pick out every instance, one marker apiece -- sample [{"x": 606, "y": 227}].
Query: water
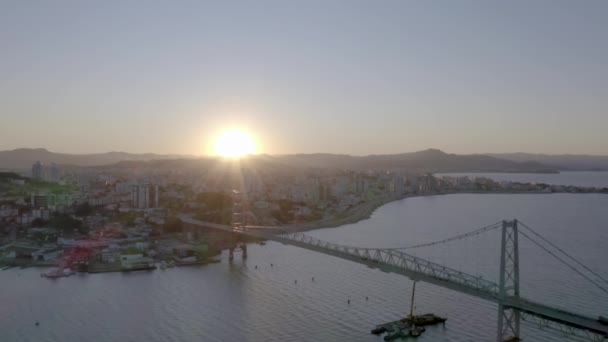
[{"x": 223, "y": 302}]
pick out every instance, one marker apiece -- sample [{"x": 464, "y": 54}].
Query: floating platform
[
  {"x": 404, "y": 333},
  {"x": 406, "y": 324}
]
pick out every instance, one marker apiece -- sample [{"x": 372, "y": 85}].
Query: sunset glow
[{"x": 234, "y": 143}]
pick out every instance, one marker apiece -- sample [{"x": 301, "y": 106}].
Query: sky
[{"x": 354, "y": 77}]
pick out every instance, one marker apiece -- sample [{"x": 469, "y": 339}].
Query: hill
[
  {"x": 565, "y": 162},
  {"x": 422, "y": 161},
  {"x": 430, "y": 160},
  {"x": 23, "y": 158}
]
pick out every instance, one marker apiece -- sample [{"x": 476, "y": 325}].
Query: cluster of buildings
[
  {"x": 124, "y": 193},
  {"x": 126, "y": 219},
  {"x": 49, "y": 172}
]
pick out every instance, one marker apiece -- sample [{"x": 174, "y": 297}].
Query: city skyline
[{"x": 347, "y": 78}]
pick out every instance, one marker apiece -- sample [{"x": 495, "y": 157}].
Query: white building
[{"x": 144, "y": 196}]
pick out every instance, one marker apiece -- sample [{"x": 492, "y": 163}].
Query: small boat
[
  {"x": 56, "y": 273},
  {"x": 163, "y": 265},
  {"x": 397, "y": 333},
  {"x": 416, "y": 331}
]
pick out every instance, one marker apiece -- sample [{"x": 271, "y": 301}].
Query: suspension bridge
[{"x": 512, "y": 308}]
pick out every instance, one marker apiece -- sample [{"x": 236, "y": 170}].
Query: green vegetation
[
  {"x": 224, "y": 217},
  {"x": 31, "y": 186},
  {"x": 82, "y": 210},
  {"x": 8, "y": 176},
  {"x": 130, "y": 251},
  {"x": 127, "y": 218},
  {"x": 172, "y": 225},
  {"x": 214, "y": 201},
  {"x": 67, "y": 224},
  {"x": 216, "y": 207},
  {"x": 285, "y": 213},
  {"x": 43, "y": 186}
]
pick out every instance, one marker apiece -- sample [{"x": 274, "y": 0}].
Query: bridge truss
[{"x": 512, "y": 309}]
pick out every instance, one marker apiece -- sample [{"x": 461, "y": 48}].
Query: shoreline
[{"x": 364, "y": 211}]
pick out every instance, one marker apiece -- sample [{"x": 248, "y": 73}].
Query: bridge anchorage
[{"x": 512, "y": 308}]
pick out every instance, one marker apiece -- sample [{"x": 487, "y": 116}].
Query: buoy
[
  {"x": 349, "y": 301},
  {"x": 256, "y": 267},
  {"x": 37, "y": 323},
  {"x": 313, "y": 278},
  {"x": 270, "y": 265},
  {"x": 295, "y": 281},
  {"x": 366, "y": 298}
]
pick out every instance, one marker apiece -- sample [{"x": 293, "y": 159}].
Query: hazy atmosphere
[
  {"x": 365, "y": 77},
  {"x": 320, "y": 170}
]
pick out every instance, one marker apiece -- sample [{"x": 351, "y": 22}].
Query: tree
[
  {"x": 67, "y": 224},
  {"x": 214, "y": 201},
  {"x": 128, "y": 218},
  {"x": 172, "y": 225},
  {"x": 38, "y": 222},
  {"x": 83, "y": 209}
]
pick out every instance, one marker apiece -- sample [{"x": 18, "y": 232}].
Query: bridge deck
[{"x": 420, "y": 270}]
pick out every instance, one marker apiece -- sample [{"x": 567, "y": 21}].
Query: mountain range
[
  {"x": 431, "y": 160},
  {"x": 564, "y": 162},
  {"x": 23, "y": 158}
]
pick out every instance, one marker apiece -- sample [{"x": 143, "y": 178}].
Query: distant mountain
[
  {"x": 23, "y": 158},
  {"x": 565, "y": 162},
  {"x": 430, "y": 160}
]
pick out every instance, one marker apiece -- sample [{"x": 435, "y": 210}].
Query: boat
[
  {"x": 397, "y": 333},
  {"x": 603, "y": 320},
  {"x": 416, "y": 331},
  {"x": 56, "y": 273},
  {"x": 163, "y": 265}
]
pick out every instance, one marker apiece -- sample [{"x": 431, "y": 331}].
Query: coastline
[{"x": 365, "y": 210}]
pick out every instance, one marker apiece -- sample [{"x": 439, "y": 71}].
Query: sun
[{"x": 234, "y": 143}]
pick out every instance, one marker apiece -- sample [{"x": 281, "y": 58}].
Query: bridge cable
[
  {"x": 457, "y": 237},
  {"x": 564, "y": 252},
  {"x": 564, "y": 262}
]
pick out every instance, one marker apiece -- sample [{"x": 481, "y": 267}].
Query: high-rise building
[
  {"x": 54, "y": 173},
  {"x": 37, "y": 170},
  {"x": 144, "y": 196}
]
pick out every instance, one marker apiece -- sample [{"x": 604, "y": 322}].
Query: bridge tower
[
  {"x": 238, "y": 223},
  {"x": 508, "y": 317}
]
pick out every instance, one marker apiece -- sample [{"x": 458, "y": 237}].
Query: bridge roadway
[{"x": 393, "y": 261}]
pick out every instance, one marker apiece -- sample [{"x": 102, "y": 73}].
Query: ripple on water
[{"x": 237, "y": 302}]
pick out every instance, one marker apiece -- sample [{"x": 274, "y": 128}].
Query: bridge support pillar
[
  {"x": 508, "y": 318},
  {"x": 231, "y": 254},
  {"x": 244, "y": 249}
]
